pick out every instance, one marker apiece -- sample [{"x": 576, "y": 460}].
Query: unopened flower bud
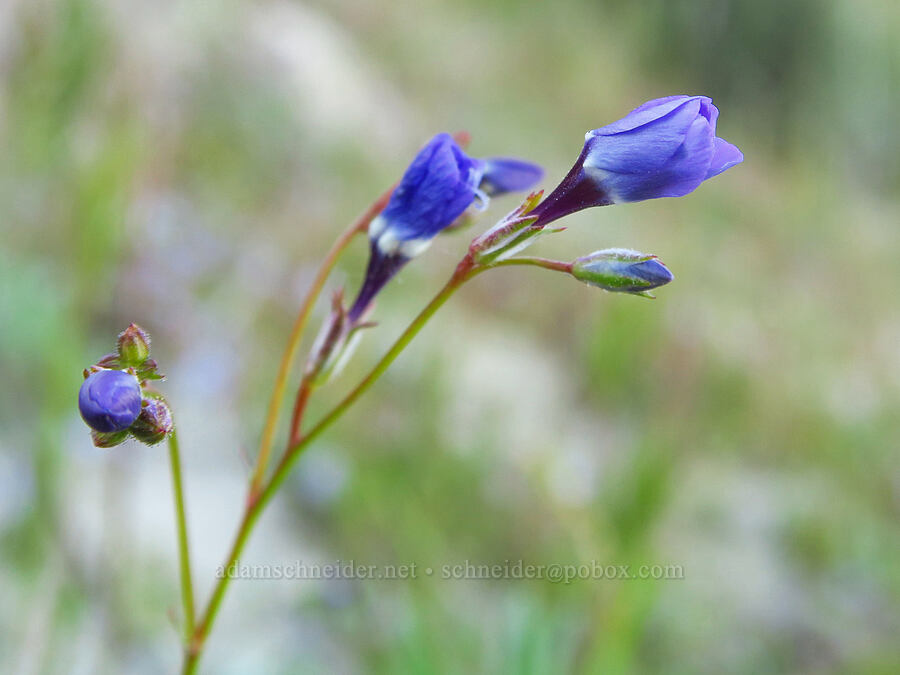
[
  {"x": 621, "y": 270},
  {"x": 133, "y": 346},
  {"x": 154, "y": 422},
  {"x": 109, "y": 400},
  {"x": 331, "y": 337},
  {"x": 108, "y": 440}
]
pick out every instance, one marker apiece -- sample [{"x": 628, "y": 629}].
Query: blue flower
[
  {"x": 440, "y": 184},
  {"x": 110, "y": 400},
  {"x": 663, "y": 148}
]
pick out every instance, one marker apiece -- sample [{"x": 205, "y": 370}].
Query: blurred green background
[{"x": 185, "y": 165}]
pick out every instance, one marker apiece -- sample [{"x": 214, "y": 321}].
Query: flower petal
[
  {"x": 709, "y": 111},
  {"x": 643, "y": 114},
  {"x": 109, "y": 400},
  {"x": 725, "y": 156},
  {"x": 505, "y": 174},
  {"x": 645, "y": 149},
  {"x": 438, "y": 186},
  {"x": 681, "y": 174}
]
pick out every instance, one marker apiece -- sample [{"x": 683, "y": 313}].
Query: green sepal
[{"x": 109, "y": 439}]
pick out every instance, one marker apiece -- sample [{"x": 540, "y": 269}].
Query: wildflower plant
[{"x": 664, "y": 148}]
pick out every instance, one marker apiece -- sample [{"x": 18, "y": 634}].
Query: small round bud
[
  {"x": 154, "y": 422},
  {"x": 109, "y": 400},
  {"x": 621, "y": 270},
  {"x": 133, "y": 345}
]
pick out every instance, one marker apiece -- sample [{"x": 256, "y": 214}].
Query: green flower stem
[
  {"x": 555, "y": 265},
  {"x": 184, "y": 558},
  {"x": 201, "y": 631},
  {"x": 303, "y": 394},
  {"x": 290, "y": 352},
  {"x": 465, "y": 271}
]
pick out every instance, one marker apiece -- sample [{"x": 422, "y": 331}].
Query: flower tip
[
  {"x": 133, "y": 345},
  {"x": 725, "y": 156},
  {"x": 530, "y": 202},
  {"x": 462, "y": 138},
  {"x": 653, "y": 271}
]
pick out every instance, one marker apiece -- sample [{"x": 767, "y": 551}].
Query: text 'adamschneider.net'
[{"x": 508, "y": 570}]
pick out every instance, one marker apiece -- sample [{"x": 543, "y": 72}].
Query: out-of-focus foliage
[{"x": 184, "y": 165}]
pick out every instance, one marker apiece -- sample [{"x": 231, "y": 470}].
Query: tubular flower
[
  {"x": 440, "y": 184},
  {"x": 663, "y": 148}
]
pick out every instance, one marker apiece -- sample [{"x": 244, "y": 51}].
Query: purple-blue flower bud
[
  {"x": 440, "y": 184},
  {"x": 154, "y": 422},
  {"x": 110, "y": 400},
  {"x": 621, "y": 270},
  {"x": 663, "y": 148}
]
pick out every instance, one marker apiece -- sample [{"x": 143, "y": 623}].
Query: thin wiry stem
[
  {"x": 464, "y": 272},
  {"x": 546, "y": 263},
  {"x": 290, "y": 352},
  {"x": 184, "y": 558},
  {"x": 294, "y": 434}
]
